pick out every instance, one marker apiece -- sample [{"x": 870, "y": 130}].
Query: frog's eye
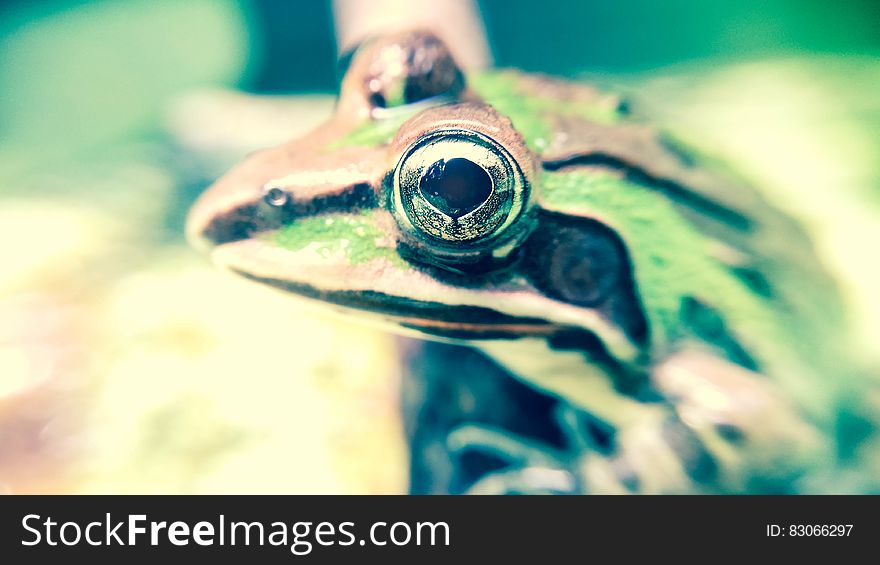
[
  {"x": 395, "y": 72},
  {"x": 458, "y": 192},
  {"x": 414, "y": 69}
]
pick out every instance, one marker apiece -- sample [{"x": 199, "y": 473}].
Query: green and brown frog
[{"x": 668, "y": 329}]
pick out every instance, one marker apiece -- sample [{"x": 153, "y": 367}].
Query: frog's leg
[
  {"x": 472, "y": 427},
  {"x": 530, "y": 467},
  {"x": 528, "y": 480},
  {"x": 587, "y": 464},
  {"x": 448, "y": 386}
]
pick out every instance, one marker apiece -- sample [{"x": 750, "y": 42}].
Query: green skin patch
[
  {"x": 355, "y": 234},
  {"x": 667, "y": 269},
  {"x": 372, "y": 133},
  {"x": 503, "y": 90},
  {"x": 679, "y": 265}
]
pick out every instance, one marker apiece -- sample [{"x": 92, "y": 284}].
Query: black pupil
[{"x": 455, "y": 187}]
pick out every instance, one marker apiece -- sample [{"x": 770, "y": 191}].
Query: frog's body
[{"x": 581, "y": 249}]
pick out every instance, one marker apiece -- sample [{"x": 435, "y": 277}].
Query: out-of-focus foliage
[
  {"x": 127, "y": 364},
  {"x": 90, "y": 75}
]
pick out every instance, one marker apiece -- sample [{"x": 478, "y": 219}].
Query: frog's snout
[
  {"x": 236, "y": 207},
  {"x": 220, "y": 217},
  {"x": 195, "y": 228},
  {"x": 206, "y": 230}
]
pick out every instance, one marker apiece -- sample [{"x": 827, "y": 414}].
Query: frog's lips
[
  {"x": 435, "y": 319},
  {"x": 385, "y": 292}
]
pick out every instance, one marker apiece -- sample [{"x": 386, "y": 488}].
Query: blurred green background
[{"x": 128, "y": 365}]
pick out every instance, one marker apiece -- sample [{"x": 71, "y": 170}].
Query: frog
[{"x": 673, "y": 330}]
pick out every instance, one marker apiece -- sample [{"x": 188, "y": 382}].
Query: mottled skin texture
[{"x": 681, "y": 328}]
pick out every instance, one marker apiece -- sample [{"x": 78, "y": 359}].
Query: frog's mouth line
[{"x": 433, "y": 318}]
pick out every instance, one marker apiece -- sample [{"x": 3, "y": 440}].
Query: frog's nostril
[
  {"x": 276, "y": 197},
  {"x": 455, "y": 187}
]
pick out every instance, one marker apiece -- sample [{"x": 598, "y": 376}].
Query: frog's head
[{"x": 420, "y": 203}]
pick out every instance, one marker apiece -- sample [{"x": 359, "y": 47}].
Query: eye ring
[{"x": 458, "y": 192}]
